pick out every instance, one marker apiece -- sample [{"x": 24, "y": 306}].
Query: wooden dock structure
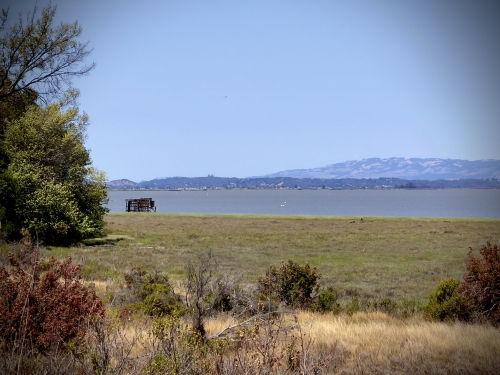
[{"x": 140, "y": 205}]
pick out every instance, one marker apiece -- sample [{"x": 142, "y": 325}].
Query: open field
[
  {"x": 365, "y": 260},
  {"x": 377, "y": 257}
]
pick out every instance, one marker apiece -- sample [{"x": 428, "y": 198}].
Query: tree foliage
[
  {"x": 8, "y": 194},
  {"x": 59, "y": 194},
  {"x": 14, "y": 107},
  {"x": 48, "y": 185},
  {"x": 36, "y": 55}
]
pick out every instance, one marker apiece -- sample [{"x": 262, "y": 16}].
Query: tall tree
[
  {"x": 36, "y": 55},
  {"x": 8, "y": 195},
  {"x": 59, "y": 194},
  {"x": 47, "y": 183}
]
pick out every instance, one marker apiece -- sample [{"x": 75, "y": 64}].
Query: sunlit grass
[
  {"x": 379, "y": 257},
  {"x": 400, "y": 258},
  {"x": 378, "y": 343}
]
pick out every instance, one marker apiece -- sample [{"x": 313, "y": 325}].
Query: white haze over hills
[{"x": 413, "y": 168}]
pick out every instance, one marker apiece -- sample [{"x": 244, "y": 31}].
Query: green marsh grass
[{"x": 373, "y": 258}]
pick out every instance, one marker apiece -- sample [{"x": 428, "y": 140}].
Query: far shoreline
[
  {"x": 305, "y": 217},
  {"x": 328, "y": 189}
]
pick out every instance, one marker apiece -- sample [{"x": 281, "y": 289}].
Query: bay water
[{"x": 446, "y": 203}]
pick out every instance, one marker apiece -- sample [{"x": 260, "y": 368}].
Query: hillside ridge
[
  {"x": 370, "y": 173},
  {"x": 399, "y": 167}
]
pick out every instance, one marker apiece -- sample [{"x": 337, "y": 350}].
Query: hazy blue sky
[{"x": 244, "y": 88}]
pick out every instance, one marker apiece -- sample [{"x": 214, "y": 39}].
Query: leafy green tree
[
  {"x": 59, "y": 194},
  {"x": 11, "y": 108},
  {"x": 14, "y": 106},
  {"x": 7, "y": 195},
  {"x": 47, "y": 183}
]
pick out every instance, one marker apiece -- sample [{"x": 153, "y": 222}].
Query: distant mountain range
[
  {"x": 370, "y": 173},
  {"x": 414, "y": 169}
]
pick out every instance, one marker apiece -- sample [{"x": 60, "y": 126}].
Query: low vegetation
[
  {"x": 400, "y": 259},
  {"x": 208, "y": 315},
  {"x": 481, "y": 285}
]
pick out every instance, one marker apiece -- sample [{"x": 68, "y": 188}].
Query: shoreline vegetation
[
  {"x": 230, "y": 189},
  {"x": 229, "y": 183},
  {"x": 382, "y": 271}
]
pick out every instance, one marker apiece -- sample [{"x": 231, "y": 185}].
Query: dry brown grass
[{"x": 377, "y": 343}]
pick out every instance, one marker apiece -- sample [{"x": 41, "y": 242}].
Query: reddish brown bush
[
  {"x": 481, "y": 285},
  {"x": 44, "y": 304}
]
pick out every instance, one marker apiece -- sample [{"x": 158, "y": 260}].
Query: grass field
[
  {"x": 376, "y": 343},
  {"x": 364, "y": 260},
  {"x": 374, "y": 258}
]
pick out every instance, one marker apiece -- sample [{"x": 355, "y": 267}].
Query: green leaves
[
  {"x": 291, "y": 283},
  {"x": 60, "y": 194},
  {"x": 477, "y": 298},
  {"x": 47, "y": 182},
  {"x": 445, "y": 302},
  {"x": 50, "y": 141}
]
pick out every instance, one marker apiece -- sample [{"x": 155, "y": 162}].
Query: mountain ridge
[
  {"x": 399, "y": 167},
  {"x": 366, "y": 173}
]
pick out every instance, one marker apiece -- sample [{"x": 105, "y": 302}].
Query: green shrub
[
  {"x": 157, "y": 297},
  {"x": 182, "y": 350},
  {"x": 353, "y": 306},
  {"x": 326, "y": 301},
  {"x": 386, "y": 305},
  {"x": 445, "y": 303},
  {"x": 291, "y": 283},
  {"x": 409, "y": 307},
  {"x": 162, "y": 301}
]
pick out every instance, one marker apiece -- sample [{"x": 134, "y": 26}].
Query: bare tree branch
[{"x": 40, "y": 56}]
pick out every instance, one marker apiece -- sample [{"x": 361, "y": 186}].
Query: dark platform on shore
[{"x": 140, "y": 205}]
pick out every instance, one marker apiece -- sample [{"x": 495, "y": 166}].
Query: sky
[{"x": 247, "y": 88}]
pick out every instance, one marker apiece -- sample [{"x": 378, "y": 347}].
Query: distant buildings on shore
[{"x": 223, "y": 183}]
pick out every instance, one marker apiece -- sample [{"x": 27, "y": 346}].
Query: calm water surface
[{"x": 467, "y": 203}]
